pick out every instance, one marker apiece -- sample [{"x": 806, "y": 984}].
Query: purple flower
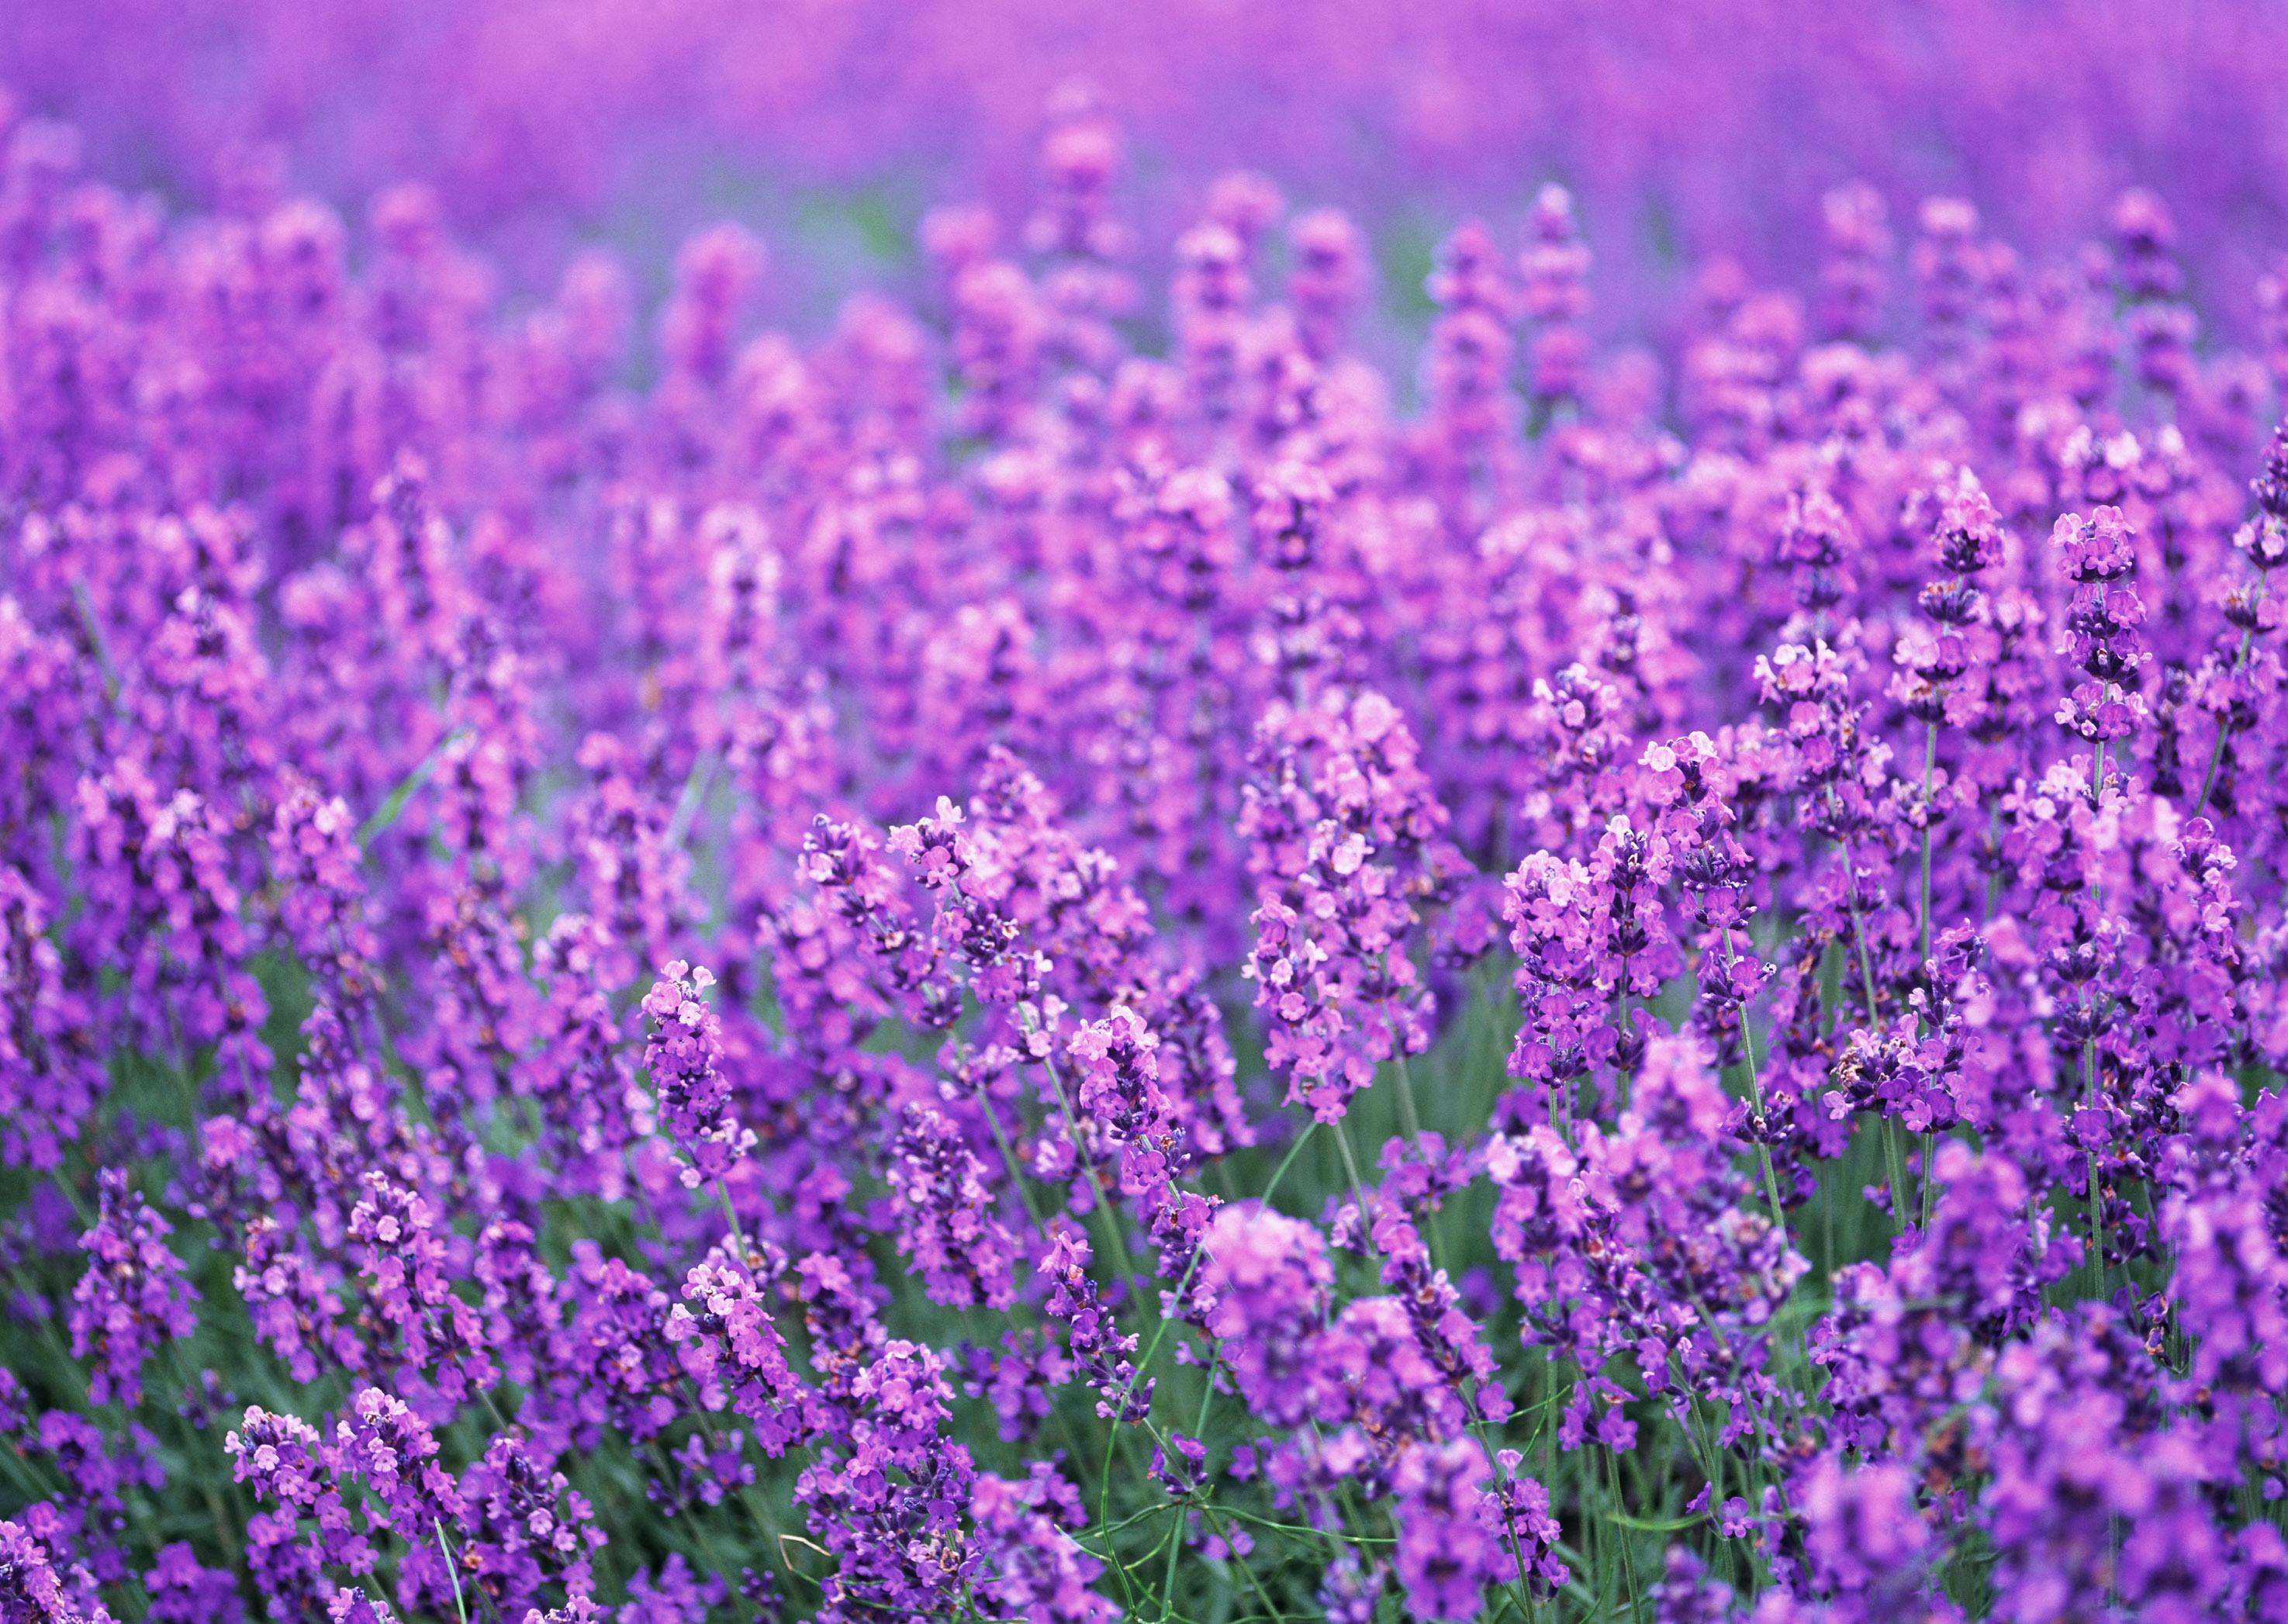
[
  {"x": 684, "y": 1058},
  {"x": 134, "y": 1296}
]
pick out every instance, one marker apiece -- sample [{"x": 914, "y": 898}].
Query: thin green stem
[
  {"x": 1160, "y": 1331},
  {"x": 1756, "y": 1093},
  {"x": 452, "y": 1571},
  {"x": 1897, "y": 1162},
  {"x": 1628, "y": 1556},
  {"x": 1176, "y": 1538},
  {"x": 731, "y": 1216},
  {"x": 1930, "y": 772},
  {"x": 1407, "y": 1111},
  {"x": 1924, "y": 911},
  {"x": 2089, "y": 1070},
  {"x": 1516, "y": 1585},
  {"x": 1358, "y": 1190},
  {"x": 2224, "y": 723},
  {"x": 1121, "y": 1257},
  {"x": 1009, "y": 1161}
]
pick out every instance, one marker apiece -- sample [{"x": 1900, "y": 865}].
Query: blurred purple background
[{"x": 1684, "y": 128}]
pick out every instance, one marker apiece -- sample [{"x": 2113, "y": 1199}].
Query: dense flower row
[{"x": 974, "y": 972}]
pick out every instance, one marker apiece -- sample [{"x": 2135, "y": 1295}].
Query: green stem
[
  {"x": 2089, "y": 1068},
  {"x": 1516, "y": 1585},
  {"x": 731, "y": 1216},
  {"x": 1407, "y": 1112},
  {"x": 1176, "y": 1535},
  {"x": 1930, "y": 769},
  {"x": 1898, "y": 1165},
  {"x": 1009, "y": 1161},
  {"x": 1756, "y": 1092},
  {"x": 1160, "y": 1331},
  {"x": 1358, "y": 1190},
  {"x": 1628, "y": 1556},
  {"x": 2224, "y": 723},
  {"x": 453, "y": 1572},
  {"x": 1118, "y": 1239}
]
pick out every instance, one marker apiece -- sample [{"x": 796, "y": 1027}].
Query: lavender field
[{"x": 1025, "y": 814}]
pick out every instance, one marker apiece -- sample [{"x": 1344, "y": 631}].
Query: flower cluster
[
  {"x": 134, "y": 1299},
  {"x": 683, "y": 1057}
]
